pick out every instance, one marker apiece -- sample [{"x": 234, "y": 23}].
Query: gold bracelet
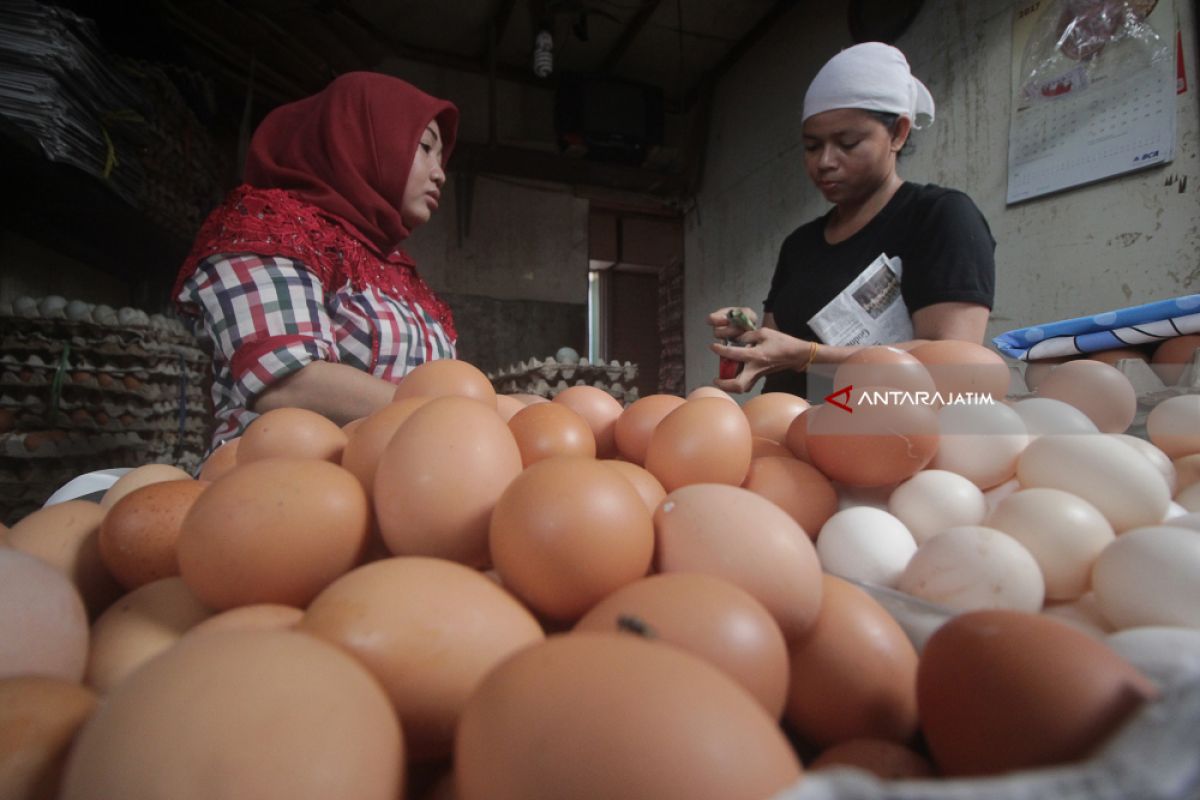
[{"x": 812, "y": 356}]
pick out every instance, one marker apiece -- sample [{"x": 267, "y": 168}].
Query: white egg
[
  {"x": 980, "y": 442},
  {"x": 53, "y": 307},
  {"x": 935, "y": 499},
  {"x": 77, "y": 310},
  {"x": 1190, "y": 520},
  {"x": 866, "y": 544},
  {"x": 973, "y": 567},
  {"x": 1064, "y": 533},
  {"x": 1156, "y": 457},
  {"x": 1044, "y": 415},
  {"x": 25, "y": 307},
  {"x": 1083, "y": 613},
  {"x": 1123, "y": 485},
  {"x": 1150, "y": 576}
]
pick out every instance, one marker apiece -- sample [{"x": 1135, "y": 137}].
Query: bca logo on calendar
[{"x": 1145, "y": 156}]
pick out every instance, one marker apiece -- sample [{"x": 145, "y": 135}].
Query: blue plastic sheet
[{"x": 1124, "y": 327}]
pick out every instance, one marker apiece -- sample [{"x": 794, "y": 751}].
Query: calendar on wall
[{"x": 1094, "y": 84}]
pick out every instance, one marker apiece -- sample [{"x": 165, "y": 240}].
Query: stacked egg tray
[
  {"x": 106, "y": 388},
  {"x": 1147, "y": 383},
  {"x": 548, "y": 377}
]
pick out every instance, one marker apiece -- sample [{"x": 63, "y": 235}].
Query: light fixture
[{"x": 543, "y": 54}]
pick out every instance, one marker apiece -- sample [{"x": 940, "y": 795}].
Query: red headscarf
[{"x": 325, "y": 178}]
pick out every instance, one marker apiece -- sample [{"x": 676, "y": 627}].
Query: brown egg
[
  {"x": 875, "y": 443},
  {"x": 439, "y": 478},
  {"x": 1101, "y": 391},
  {"x": 1008, "y": 690},
  {"x": 8, "y": 420},
  {"x": 798, "y": 488},
  {"x": 601, "y": 411},
  {"x": 746, "y": 539},
  {"x": 274, "y": 530},
  {"x": 771, "y": 413},
  {"x": 258, "y": 617},
  {"x": 884, "y": 365},
  {"x": 710, "y": 618},
  {"x": 638, "y": 421},
  {"x": 706, "y": 440},
  {"x": 567, "y": 532},
  {"x": 888, "y": 761},
  {"x": 138, "y": 535},
  {"x": 959, "y": 368},
  {"x": 544, "y": 430},
  {"x": 241, "y": 715},
  {"x": 797, "y": 435},
  {"x": 67, "y": 536},
  {"x": 139, "y": 477},
  {"x": 43, "y": 628},
  {"x": 854, "y": 674},
  {"x": 651, "y": 491},
  {"x": 39, "y": 717},
  {"x": 292, "y": 433},
  {"x": 447, "y": 377},
  {"x": 1118, "y": 354},
  {"x": 710, "y": 391},
  {"x": 1172, "y": 356},
  {"x": 428, "y": 630},
  {"x": 1036, "y": 371},
  {"x": 1173, "y": 425},
  {"x": 507, "y": 405},
  {"x": 350, "y": 426},
  {"x": 220, "y": 461},
  {"x": 138, "y": 627},
  {"x": 670, "y": 726},
  {"x": 367, "y": 443}
]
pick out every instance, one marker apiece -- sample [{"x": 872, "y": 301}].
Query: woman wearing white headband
[{"x": 858, "y": 113}]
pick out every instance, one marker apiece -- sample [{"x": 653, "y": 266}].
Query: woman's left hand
[{"x": 766, "y": 350}]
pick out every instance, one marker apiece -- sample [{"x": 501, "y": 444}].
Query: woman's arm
[
  {"x": 965, "y": 321},
  {"x": 338, "y": 391},
  {"x": 773, "y": 351}
]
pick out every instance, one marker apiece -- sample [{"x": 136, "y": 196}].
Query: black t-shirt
[{"x": 940, "y": 236}]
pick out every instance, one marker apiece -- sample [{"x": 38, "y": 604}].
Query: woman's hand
[
  {"x": 723, "y": 328},
  {"x": 766, "y": 350}
]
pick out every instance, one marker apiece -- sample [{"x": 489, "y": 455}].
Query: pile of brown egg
[{"x": 469, "y": 596}]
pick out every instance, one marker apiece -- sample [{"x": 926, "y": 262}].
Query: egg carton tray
[
  {"x": 543, "y": 388},
  {"x": 1149, "y": 386},
  {"x": 552, "y": 371}
]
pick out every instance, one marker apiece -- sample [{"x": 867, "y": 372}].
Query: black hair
[{"x": 888, "y": 120}]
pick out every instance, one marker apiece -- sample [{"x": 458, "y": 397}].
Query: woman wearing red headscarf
[{"x": 298, "y": 279}]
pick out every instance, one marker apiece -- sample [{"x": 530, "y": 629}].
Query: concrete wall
[{"x": 1119, "y": 242}]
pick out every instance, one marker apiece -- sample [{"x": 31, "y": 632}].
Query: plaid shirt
[{"x": 267, "y": 316}]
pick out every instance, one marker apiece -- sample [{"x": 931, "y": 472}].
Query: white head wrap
[{"x": 874, "y": 77}]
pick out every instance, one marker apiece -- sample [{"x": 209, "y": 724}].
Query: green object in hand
[{"x": 739, "y": 317}]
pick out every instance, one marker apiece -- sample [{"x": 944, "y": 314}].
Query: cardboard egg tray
[
  {"x": 1147, "y": 383},
  {"x": 548, "y": 377},
  {"x": 114, "y": 389}
]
